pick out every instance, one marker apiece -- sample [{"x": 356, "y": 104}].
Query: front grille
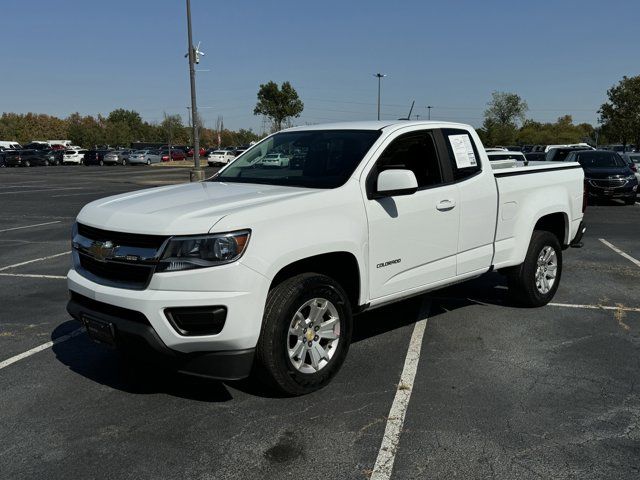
[
  {"x": 112, "y": 310},
  {"x": 135, "y": 275},
  {"x": 609, "y": 182},
  {"x": 122, "y": 271},
  {"x": 122, "y": 238}
]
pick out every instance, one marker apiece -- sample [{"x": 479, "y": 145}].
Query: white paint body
[
  {"x": 73, "y": 156},
  {"x": 442, "y": 235}
]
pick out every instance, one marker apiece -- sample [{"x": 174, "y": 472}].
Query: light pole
[
  {"x": 380, "y": 76},
  {"x": 197, "y": 174},
  {"x": 429, "y": 107}
]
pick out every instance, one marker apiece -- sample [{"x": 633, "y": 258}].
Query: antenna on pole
[{"x": 408, "y": 117}]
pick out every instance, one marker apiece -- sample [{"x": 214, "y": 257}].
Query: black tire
[
  {"x": 148, "y": 162},
  {"x": 522, "y": 279},
  {"x": 273, "y": 365},
  {"x": 27, "y": 163},
  {"x": 101, "y": 163},
  {"x": 124, "y": 162},
  {"x": 46, "y": 163}
]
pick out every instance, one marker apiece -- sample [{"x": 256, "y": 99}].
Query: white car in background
[
  {"x": 220, "y": 157},
  {"x": 73, "y": 156},
  {"x": 275, "y": 160},
  {"x": 502, "y": 159}
]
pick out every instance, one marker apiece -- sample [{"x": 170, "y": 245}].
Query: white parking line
[
  {"x": 30, "y": 275},
  {"x": 596, "y": 307},
  {"x": 620, "y": 252},
  {"x": 387, "y": 453},
  {"x": 44, "y": 190},
  {"x": 29, "y": 226},
  {"x": 39, "y": 348},
  {"x": 33, "y": 261}
]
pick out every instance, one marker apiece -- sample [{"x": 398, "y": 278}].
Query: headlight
[{"x": 186, "y": 253}]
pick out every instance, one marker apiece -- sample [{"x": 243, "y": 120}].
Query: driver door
[{"x": 412, "y": 238}]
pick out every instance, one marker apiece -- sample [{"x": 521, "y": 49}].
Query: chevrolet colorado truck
[{"x": 260, "y": 269}]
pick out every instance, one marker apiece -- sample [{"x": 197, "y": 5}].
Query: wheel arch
[{"x": 342, "y": 266}]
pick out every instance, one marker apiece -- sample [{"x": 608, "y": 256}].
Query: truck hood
[{"x": 185, "y": 209}]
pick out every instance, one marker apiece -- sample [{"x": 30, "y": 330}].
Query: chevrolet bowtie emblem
[{"x": 102, "y": 250}]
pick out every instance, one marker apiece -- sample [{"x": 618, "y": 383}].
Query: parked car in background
[
  {"x": 73, "y": 157},
  {"x": 117, "y": 157},
  {"x": 220, "y": 157},
  {"x": 607, "y": 175},
  {"x": 10, "y": 145},
  {"x": 633, "y": 160},
  {"x": 26, "y": 158},
  {"x": 275, "y": 160},
  {"x": 37, "y": 145},
  {"x": 535, "y": 156},
  {"x": 3, "y": 161},
  {"x": 203, "y": 152},
  {"x": 619, "y": 148},
  {"x": 496, "y": 149},
  {"x": 559, "y": 154},
  {"x": 54, "y": 157},
  {"x": 507, "y": 159},
  {"x": 95, "y": 157},
  {"x": 176, "y": 155},
  {"x": 144, "y": 157},
  {"x": 583, "y": 146}
]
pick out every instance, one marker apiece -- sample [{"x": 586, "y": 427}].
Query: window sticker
[{"x": 463, "y": 150}]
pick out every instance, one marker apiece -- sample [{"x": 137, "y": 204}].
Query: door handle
[{"x": 446, "y": 204}]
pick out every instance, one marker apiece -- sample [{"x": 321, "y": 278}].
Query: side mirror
[{"x": 396, "y": 182}]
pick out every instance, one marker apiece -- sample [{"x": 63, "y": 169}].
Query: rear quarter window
[{"x": 464, "y": 165}]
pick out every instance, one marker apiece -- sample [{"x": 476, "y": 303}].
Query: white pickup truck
[{"x": 261, "y": 269}]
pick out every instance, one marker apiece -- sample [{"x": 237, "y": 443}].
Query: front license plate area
[{"x": 99, "y": 330}]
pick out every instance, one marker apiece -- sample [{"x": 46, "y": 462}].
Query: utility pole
[
  {"x": 197, "y": 174},
  {"x": 380, "y": 76},
  {"x": 429, "y": 107}
]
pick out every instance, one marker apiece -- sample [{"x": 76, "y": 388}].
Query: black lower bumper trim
[
  {"x": 577, "y": 240},
  {"x": 141, "y": 341}
]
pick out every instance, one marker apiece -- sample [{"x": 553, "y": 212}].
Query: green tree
[
  {"x": 278, "y": 103},
  {"x": 501, "y": 118},
  {"x": 620, "y": 116},
  {"x": 506, "y": 109},
  {"x": 173, "y": 130}
]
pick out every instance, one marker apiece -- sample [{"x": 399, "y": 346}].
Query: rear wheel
[
  {"x": 536, "y": 280},
  {"x": 305, "y": 334}
]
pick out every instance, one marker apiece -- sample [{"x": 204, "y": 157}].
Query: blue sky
[{"x": 94, "y": 56}]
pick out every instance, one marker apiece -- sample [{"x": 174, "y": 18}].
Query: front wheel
[
  {"x": 148, "y": 162},
  {"x": 306, "y": 333},
  {"x": 536, "y": 280}
]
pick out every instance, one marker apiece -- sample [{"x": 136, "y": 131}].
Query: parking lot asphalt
[{"x": 499, "y": 391}]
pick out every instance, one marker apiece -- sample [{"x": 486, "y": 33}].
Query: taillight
[{"x": 585, "y": 195}]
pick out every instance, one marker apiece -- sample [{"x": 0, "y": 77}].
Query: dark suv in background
[
  {"x": 95, "y": 157},
  {"x": 607, "y": 175},
  {"x": 26, "y": 158}
]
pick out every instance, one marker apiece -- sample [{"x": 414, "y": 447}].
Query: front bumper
[
  {"x": 135, "y": 336},
  {"x": 239, "y": 289}
]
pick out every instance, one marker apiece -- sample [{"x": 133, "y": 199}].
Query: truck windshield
[{"x": 310, "y": 158}]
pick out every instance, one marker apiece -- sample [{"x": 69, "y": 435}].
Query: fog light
[{"x": 193, "y": 321}]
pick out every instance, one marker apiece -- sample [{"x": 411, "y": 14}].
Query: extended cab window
[
  {"x": 463, "y": 153},
  {"x": 415, "y": 151}
]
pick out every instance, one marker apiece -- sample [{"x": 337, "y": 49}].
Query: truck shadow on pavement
[{"x": 106, "y": 366}]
